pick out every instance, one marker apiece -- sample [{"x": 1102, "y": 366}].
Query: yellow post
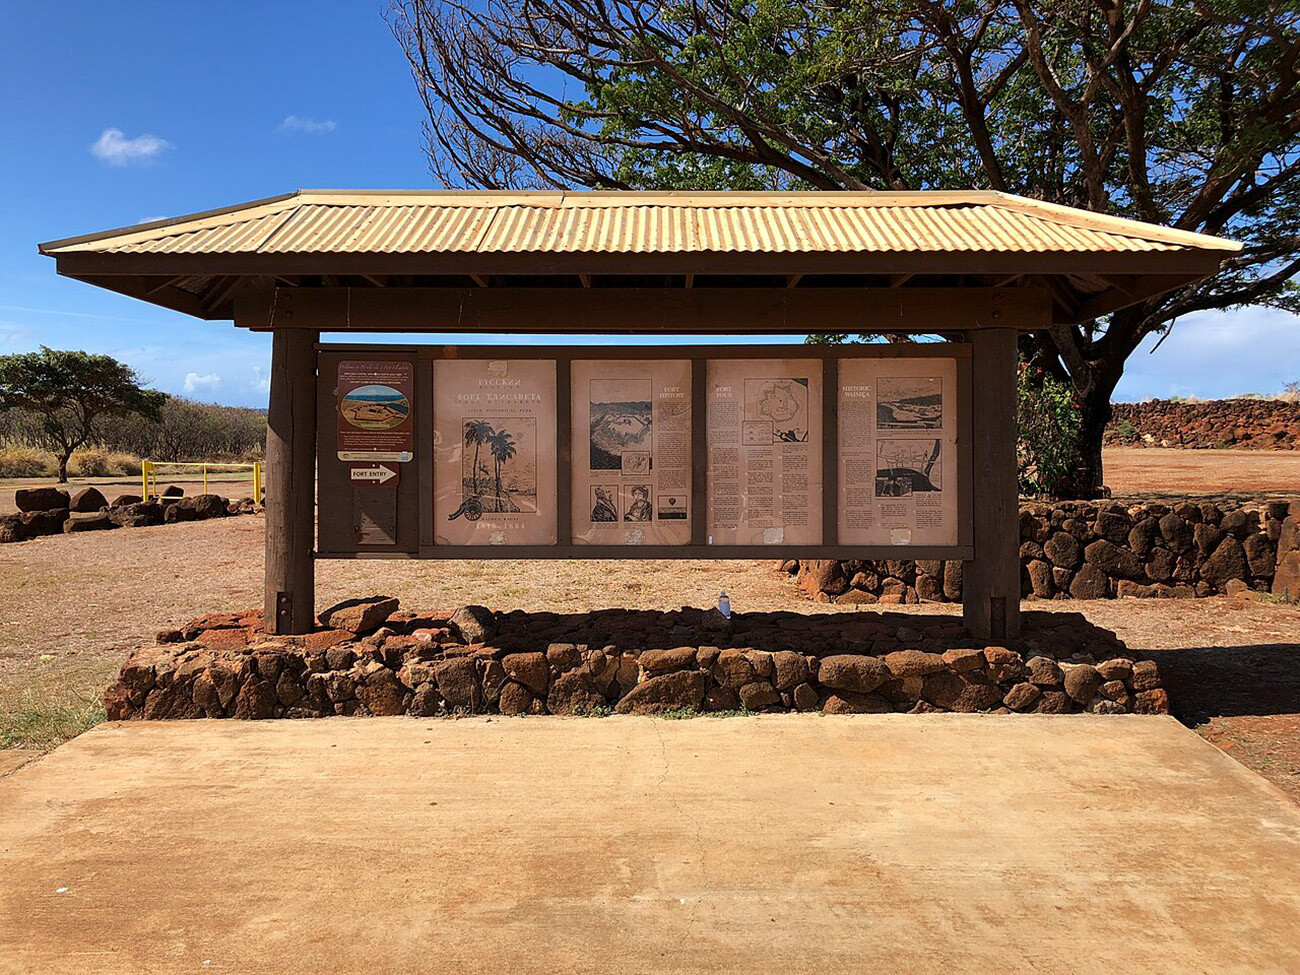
[
  {"x": 257, "y": 482},
  {"x": 205, "y": 478}
]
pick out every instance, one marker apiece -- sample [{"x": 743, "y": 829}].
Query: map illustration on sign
[
  {"x": 782, "y": 402},
  {"x": 375, "y": 407},
  {"x": 498, "y": 466},
  {"x": 905, "y": 467},
  {"x": 909, "y": 403},
  {"x": 622, "y": 424}
]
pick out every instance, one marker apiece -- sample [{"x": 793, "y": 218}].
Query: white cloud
[
  {"x": 300, "y": 123},
  {"x": 1215, "y": 354},
  {"x": 114, "y": 148},
  {"x": 261, "y": 380},
  {"x": 206, "y": 383}
]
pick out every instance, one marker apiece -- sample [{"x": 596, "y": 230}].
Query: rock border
[{"x": 372, "y": 659}]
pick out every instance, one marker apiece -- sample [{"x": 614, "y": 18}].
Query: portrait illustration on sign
[
  {"x": 783, "y": 403},
  {"x": 604, "y": 502},
  {"x": 905, "y": 467},
  {"x": 498, "y": 466},
  {"x": 909, "y": 403},
  {"x": 622, "y": 422},
  {"x": 636, "y": 503}
]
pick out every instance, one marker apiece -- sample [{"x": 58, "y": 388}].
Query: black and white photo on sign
[
  {"x": 604, "y": 503},
  {"x": 498, "y": 466},
  {"x": 622, "y": 424},
  {"x": 636, "y": 503},
  {"x": 783, "y": 402},
  {"x": 672, "y": 507},
  {"x": 905, "y": 467},
  {"x": 909, "y": 403}
]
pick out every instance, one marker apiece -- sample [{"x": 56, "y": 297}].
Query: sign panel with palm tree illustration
[{"x": 494, "y": 452}]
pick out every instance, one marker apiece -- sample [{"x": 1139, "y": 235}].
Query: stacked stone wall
[
  {"x": 1237, "y": 424},
  {"x": 54, "y": 511},
  {"x": 370, "y": 659},
  {"x": 1086, "y": 550}
]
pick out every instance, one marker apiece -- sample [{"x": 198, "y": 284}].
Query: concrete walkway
[{"x": 937, "y": 844}]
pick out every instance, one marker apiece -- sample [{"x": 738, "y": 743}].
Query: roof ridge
[{"x": 1059, "y": 213}]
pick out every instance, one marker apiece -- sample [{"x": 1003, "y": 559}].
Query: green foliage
[
  {"x": 1184, "y": 114},
  {"x": 1048, "y": 423},
  {"x": 69, "y": 391},
  {"x": 1125, "y": 430}
]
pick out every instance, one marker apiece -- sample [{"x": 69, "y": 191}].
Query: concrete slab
[
  {"x": 12, "y": 759},
  {"x": 940, "y": 844}
]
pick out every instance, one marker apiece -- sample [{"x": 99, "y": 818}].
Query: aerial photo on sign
[{"x": 375, "y": 420}]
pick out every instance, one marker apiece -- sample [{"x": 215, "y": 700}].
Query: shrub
[
  {"x": 1049, "y": 425},
  {"x": 20, "y": 461},
  {"x": 97, "y": 462}
]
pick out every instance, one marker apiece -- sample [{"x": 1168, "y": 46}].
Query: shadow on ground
[
  {"x": 1213, "y": 682},
  {"x": 869, "y": 631}
]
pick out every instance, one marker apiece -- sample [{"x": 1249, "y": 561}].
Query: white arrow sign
[{"x": 378, "y": 474}]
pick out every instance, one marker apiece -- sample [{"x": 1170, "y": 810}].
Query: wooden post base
[
  {"x": 991, "y": 581},
  {"x": 291, "y": 483}
]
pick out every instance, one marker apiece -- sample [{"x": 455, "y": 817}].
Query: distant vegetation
[{"x": 184, "y": 430}]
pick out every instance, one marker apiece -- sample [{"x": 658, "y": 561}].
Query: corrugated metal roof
[{"x": 464, "y": 222}]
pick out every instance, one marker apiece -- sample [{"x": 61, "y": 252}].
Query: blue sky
[{"x": 115, "y": 113}]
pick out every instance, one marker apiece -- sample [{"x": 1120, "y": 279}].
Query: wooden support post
[
  {"x": 291, "y": 483},
  {"x": 991, "y": 581}
]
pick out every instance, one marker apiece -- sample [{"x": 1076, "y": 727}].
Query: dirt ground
[
  {"x": 936, "y": 844},
  {"x": 76, "y": 604},
  {"x": 1157, "y": 474}
]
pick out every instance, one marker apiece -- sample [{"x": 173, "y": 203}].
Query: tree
[
  {"x": 70, "y": 392},
  {"x": 1178, "y": 112},
  {"x": 477, "y": 432},
  {"x": 502, "y": 445}
]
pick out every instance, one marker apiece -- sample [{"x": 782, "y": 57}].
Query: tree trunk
[
  {"x": 63, "y": 467},
  {"x": 1086, "y": 482}
]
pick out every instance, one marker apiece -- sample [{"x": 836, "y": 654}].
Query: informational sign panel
[
  {"x": 765, "y": 451},
  {"x": 631, "y": 422},
  {"x": 375, "y": 415},
  {"x": 898, "y": 451},
  {"x": 494, "y": 464},
  {"x": 662, "y": 452}
]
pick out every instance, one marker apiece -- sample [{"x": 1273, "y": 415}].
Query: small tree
[
  {"x": 1048, "y": 422},
  {"x": 69, "y": 392}
]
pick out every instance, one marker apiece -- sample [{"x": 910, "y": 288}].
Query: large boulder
[
  {"x": 204, "y": 506},
  {"x": 41, "y": 499},
  {"x": 852, "y": 672},
  {"x": 136, "y": 515},
  {"x": 667, "y": 692},
  {"x": 475, "y": 624},
  {"x": 88, "y": 522},
  {"x": 11, "y": 529},
  {"x": 1114, "y": 561},
  {"x": 88, "y": 499},
  {"x": 43, "y": 522},
  {"x": 359, "y": 615},
  {"x": 1227, "y": 562}
]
